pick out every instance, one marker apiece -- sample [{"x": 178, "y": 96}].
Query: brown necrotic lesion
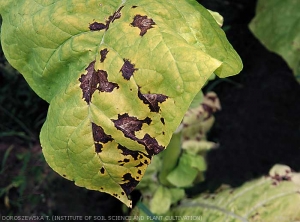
[
  {"x": 152, "y": 100},
  {"x": 143, "y": 23},
  {"x": 130, "y": 124},
  {"x": 96, "y": 26},
  {"x": 95, "y": 80},
  {"x": 103, "y": 54},
  {"x": 127, "y": 69},
  {"x": 100, "y": 137}
]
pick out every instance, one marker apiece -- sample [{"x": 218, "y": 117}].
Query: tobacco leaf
[{"x": 119, "y": 76}]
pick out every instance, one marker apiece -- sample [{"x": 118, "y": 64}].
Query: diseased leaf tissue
[{"x": 119, "y": 76}]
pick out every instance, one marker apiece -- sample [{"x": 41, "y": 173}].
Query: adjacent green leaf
[
  {"x": 119, "y": 76},
  {"x": 161, "y": 200},
  {"x": 268, "y": 199},
  {"x": 276, "y": 24},
  {"x": 187, "y": 170}
]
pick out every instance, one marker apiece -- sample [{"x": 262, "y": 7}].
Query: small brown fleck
[
  {"x": 162, "y": 120},
  {"x": 134, "y": 6},
  {"x": 102, "y": 170},
  {"x": 143, "y": 23},
  {"x": 140, "y": 165}
]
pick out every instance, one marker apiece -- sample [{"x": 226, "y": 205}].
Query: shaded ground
[{"x": 258, "y": 126}]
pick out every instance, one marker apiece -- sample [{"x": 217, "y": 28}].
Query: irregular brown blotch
[
  {"x": 102, "y": 170},
  {"x": 86, "y": 82},
  {"x": 99, "y": 134},
  {"x": 140, "y": 165},
  {"x": 95, "y": 80},
  {"x": 152, "y": 100},
  {"x": 103, "y": 54},
  {"x": 96, "y": 26},
  {"x": 129, "y": 125},
  {"x": 127, "y": 152},
  {"x": 117, "y": 14},
  {"x": 98, "y": 147},
  {"x": 127, "y": 69},
  {"x": 104, "y": 84},
  {"x": 143, "y": 23},
  {"x": 130, "y": 184},
  {"x": 99, "y": 137},
  {"x": 151, "y": 145}
]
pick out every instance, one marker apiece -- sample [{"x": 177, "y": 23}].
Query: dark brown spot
[
  {"x": 102, "y": 170},
  {"x": 151, "y": 145},
  {"x": 139, "y": 172},
  {"x": 152, "y": 100},
  {"x": 129, "y": 125},
  {"x": 139, "y": 165},
  {"x": 95, "y": 80},
  {"x": 64, "y": 175},
  {"x": 127, "y": 69},
  {"x": 162, "y": 120},
  {"x": 134, "y": 6},
  {"x": 143, "y": 23},
  {"x": 97, "y": 26},
  {"x": 99, "y": 137},
  {"x": 122, "y": 193},
  {"x": 117, "y": 14},
  {"x": 98, "y": 147},
  {"x": 104, "y": 84},
  {"x": 103, "y": 54},
  {"x": 130, "y": 183},
  {"x": 86, "y": 82},
  {"x": 127, "y": 152}
]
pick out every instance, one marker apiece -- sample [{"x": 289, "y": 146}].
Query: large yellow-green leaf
[
  {"x": 119, "y": 76},
  {"x": 277, "y": 25}
]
